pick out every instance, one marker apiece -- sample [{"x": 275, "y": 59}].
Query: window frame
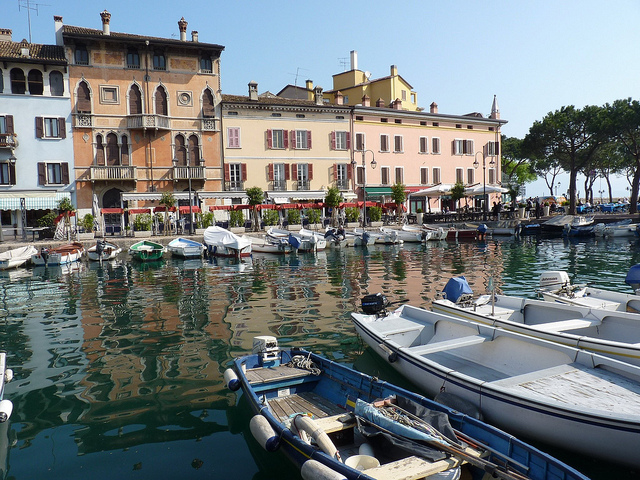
[
  {"x": 424, "y": 175},
  {"x": 384, "y": 143},
  {"x": 459, "y": 175},
  {"x": 399, "y": 174},
  {"x": 436, "y": 174},
  {"x": 398, "y": 144},
  {"x": 233, "y": 137},
  {"x": 423, "y": 145},
  {"x": 159, "y": 61},
  {"x": 81, "y": 55},
  {"x": 361, "y": 142},
  {"x": 435, "y": 146},
  {"x": 385, "y": 176}
]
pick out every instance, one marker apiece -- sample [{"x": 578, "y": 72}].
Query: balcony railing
[
  {"x": 209, "y": 124},
  {"x": 236, "y": 186},
  {"x": 83, "y": 120},
  {"x": 113, "y": 173},
  {"x": 148, "y": 120},
  {"x": 342, "y": 184},
  {"x": 303, "y": 184},
  {"x": 7, "y": 140},
  {"x": 279, "y": 186},
  {"x": 182, "y": 173}
]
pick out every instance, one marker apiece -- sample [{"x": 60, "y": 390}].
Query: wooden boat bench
[
  {"x": 336, "y": 423},
  {"x": 446, "y": 345},
  {"x": 564, "y": 325},
  {"x": 411, "y": 468}
]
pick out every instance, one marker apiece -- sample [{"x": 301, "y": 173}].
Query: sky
[{"x": 536, "y": 55}]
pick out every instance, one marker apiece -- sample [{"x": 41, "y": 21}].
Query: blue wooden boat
[{"x": 333, "y": 423}]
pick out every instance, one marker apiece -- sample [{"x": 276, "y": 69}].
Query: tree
[
  {"x": 457, "y": 192},
  {"x": 332, "y": 200},
  {"x": 516, "y": 166},
  {"x": 572, "y": 137},
  {"x": 168, "y": 201},
  {"x": 256, "y": 197},
  {"x": 398, "y": 195}
]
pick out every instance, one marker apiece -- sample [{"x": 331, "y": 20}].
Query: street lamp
[
  {"x": 476, "y": 164},
  {"x": 364, "y": 183}
]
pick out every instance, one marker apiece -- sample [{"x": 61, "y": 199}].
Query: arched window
[
  {"x": 194, "y": 151},
  {"x": 135, "y": 100},
  {"x": 99, "y": 150},
  {"x": 161, "y": 102},
  {"x": 208, "y": 106},
  {"x": 56, "y": 83},
  {"x": 36, "y": 87},
  {"x": 83, "y": 103},
  {"x": 124, "y": 151},
  {"x": 180, "y": 151},
  {"x": 18, "y": 82},
  {"x": 113, "y": 150}
]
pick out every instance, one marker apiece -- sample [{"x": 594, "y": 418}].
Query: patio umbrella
[
  {"x": 482, "y": 189},
  {"x": 435, "y": 191}
]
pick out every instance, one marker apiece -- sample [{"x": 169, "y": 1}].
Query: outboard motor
[
  {"x": 365, "y": 237},
  {"x": 100, "y": 244},
  {"x": 554, "y": 280},
  {"x": 633, "y": 278},
  {"x": 266, "y": 347},
  {"x": 44, "y": 253},
  {"x": 294, "y": 242},
  {"x": 457, "y": 290},
  {"x": 375, "y": 304}
]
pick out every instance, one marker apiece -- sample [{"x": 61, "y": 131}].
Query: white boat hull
[
  {"x": 59, "y": 256},
  {"x": 110, "y": 252},
  {"x": 17, "y": 257}
]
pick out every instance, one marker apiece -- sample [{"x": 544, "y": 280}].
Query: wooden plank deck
[
  {"x": 257, "y": 376},
  {"x": 305, "y": 402}
]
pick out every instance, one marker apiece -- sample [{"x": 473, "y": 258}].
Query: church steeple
[{"x": 495, "y": 109}]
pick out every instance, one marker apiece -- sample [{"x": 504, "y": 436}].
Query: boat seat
[
  {"x": 564, "y": 325},
  {"x": 336, "y": 423},
  {"x": 145, "y": 248},
  {"x": 446, "y": 345},
  {"x": 411, "y": 468}
]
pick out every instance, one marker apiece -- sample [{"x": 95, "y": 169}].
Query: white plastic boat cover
[{"x": 218, "y": 236}]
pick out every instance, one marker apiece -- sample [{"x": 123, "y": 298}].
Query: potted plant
[
  {"x": 293, "y": 218},
  {"x": 522, "y": 210},
  {"x": 313, "y": 217},
  {"x": 375, "y": 215},
  {"x": 332, "y": 201},
  {"x": 236, "y": 221},
  {"x": 46, "y": 222},
  {"x": 419, "y": 216},
  {"x": 351, "y": 215},
  {"x": 545, "y": 209},
  {"x": 270, "y": 217},
  {"x": 142, "y": 225},
  {"x": 168, "y": 201},
  {"x": 87, "y": 226}
]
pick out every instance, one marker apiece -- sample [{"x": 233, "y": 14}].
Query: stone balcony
[
  {"x": 148, "y": 121},
  {"x": 113, "y": 173}
]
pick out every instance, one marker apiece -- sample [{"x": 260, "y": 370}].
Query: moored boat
[
  {"x": 559, "y": 395},
  {"x": 270, "y": 244},
  {"x": 61, "y": 255},
  {"x": 6, "y": 375},
  {"x": 185, "y": 248},
  {"x": 220, "y": 242},
  {"x": 17, "y": 257},
  {"x": 103, "y": 250},
  {"x": 146, "y": 251},
  {"x": 336, "y": 423}
]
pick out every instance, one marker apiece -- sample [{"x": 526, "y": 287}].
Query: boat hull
[
  {"x": 185, "y": 248},
  {"x": 146, "y": 251},
  {"x": 109, "y": 252},
  {"x": 17, "y": 257},
  {"x": 62, "y": 255}
]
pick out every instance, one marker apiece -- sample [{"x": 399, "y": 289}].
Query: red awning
[
  {"x": 267, "y": 206},
  {"x": 111, "y": 210},
  {"x": 139, "y": 210},
  {"x": 220, "y": 207},
  {"x": 348, "y": 205},
  {"x": 185, "y": 209},
  {"x": 288, "y": 206}
]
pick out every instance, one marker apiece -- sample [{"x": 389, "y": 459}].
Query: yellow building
[{"x": 144, "y": 115}]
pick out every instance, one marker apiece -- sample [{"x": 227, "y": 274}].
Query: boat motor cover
[
  {"x": 455, "y": 288},
  {"x": 373, "y": 304},
  {"x": 633, "y": 276}
]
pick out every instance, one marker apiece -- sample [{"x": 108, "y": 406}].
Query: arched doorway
[{"x": 111, "y": 199}]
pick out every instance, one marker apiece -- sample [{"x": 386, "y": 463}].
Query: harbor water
[{"x": 118, "y": 366}]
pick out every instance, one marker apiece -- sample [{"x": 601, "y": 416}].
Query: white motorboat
[
  {"x": 6, "y": 375},
  {"x": 103, "y": 251},
  {"x": 270, "y": 244},
  {"x": 61, "y": 255},
  {"x": 407, "y": 234},
  {"x": 435, "y": 233},
  {"x": 336, "y": 237},
  {"x": 185, "y": 248},
  {"x": 309, "y": 242},
  {"x": 612, "y": 333},
  {"x": 319, "y": 241},
  {"x": 559, "y": 395},
  {"x": 360, "y": 238},
  {"x": 555, "y": 286},
  {"x": 220, "y": 242},
  {"x": 390, "y": 237},
  {"x": 17, "y": 257}
]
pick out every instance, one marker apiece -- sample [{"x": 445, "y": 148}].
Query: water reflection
[{"x": 118, "y": 365}]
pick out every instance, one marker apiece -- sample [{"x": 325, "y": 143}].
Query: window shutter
[
  {"x": 65, "y": 173},
  {"x": 348, "y": 140},
  {"x": 294, "y": 171},
  {"x": 227, "y": 172},
  {"x": 349, "y": 172},
  {"x": 293, "y": 139},
  {"x": 42, "y": 173},
  {"x": 309, "y": 139},
  {"x": 287, "y": 174},
  {"x": 285, "y": 139},
  {"x": 243, "y": 167},
  {"x": 270, "y": 174},
  {"x": 269, "y": 139},
  {"x": 8, "y": 121},
  {"x": 335, "y": 172},
  {"x": 39, "y": 127},
  {"x": 453, "y": 148},
  {"x": 333, "y": 140},
  {"x": 124, "y": 156},
  {"x": 12, "y": 174},
  {"x": 310, "y": 167},
  {"x": 62, "y": 130}
]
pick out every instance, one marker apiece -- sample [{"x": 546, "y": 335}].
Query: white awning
[
  {"x": 308, "y": 195},
  {"x": 154, "y": 196},
  {"x": 229, "y": 195},
  {"x": 33, "y": 199}
]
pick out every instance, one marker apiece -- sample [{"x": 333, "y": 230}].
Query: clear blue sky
[{"x": 536, "y": 56}]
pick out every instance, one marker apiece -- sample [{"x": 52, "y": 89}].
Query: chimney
[
  {"x": 394, "y": 70},
  {"x": 339, "y": 98},
  {"x": 366, "y": 101},
  {"x": 253, "y": 91},
  {"x": 317, "y": 94},
  {"x": 5, "y": 34},
  {"x": 433, "y": 108},
  {"x": 380, "y": 103},
  {"x": 309, "y": 84},
  {"x": 182, "y": 25},
  {"x": 495, "y": 109},
  {"x": 354, "y": 59},
  {"x": 397, "y": 105},
  {"x": 194, "y": 36},
  {"x": 106, "y": 18},
  {"x": 57, "y": 22}
]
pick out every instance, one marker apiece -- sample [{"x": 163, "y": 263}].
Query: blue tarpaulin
[{"x": 455, "y": 288}]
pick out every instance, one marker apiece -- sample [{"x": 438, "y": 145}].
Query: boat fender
[
  {"x": 8, "y": 375},
  {"x": 391, "y": 355},
  {"x": 305, "y": 424},
  {"x": 366, "y": 449},
  {"x": 314, "y": 470},
  {"x": 231, "y": 380},
  {"x": 264, "y": 433},
  {"x": 6, "y": 407}
]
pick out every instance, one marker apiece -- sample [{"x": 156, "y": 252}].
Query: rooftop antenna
[
  {"x": 344, "y": 62},
  {"x": 297, "y": 74},
  {"x": 26, "y": 4}
]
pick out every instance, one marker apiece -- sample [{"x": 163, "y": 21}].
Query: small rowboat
[
  {"x": 17, "y": 257},
  {"x": 61, "y": 255},
  {"x": 185, "y": 248},
  {"x": 146, "y": 251},
  {"x": 103, "y": 251},
  {"x": 336, "y": 423}
]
